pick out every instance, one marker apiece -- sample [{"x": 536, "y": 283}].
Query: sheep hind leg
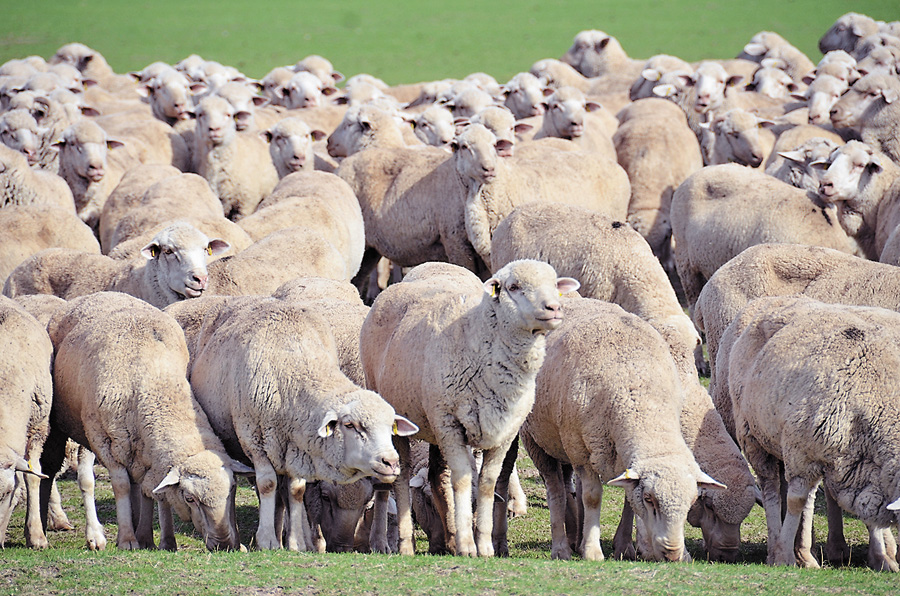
[
  {"x": 144, "y": 529},
  {"x": 880, "y": 550},
  {"x": 800, "y": 498},
  {"x": 121, "y": 485},
  {"x": 442, "y": 499},
  {"x": 93, "y": 529},
  {"x": 503, "y": 491},
  {"x": 298, "y": 526},
  {"x": 836, "y": 550},
  {"x": 592, "y": 497},
  {"x": 407, "y": 544},
  {"x": 558, "y": 495}
]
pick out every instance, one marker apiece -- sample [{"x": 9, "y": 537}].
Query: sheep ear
[
  {"x": 243, "y": 118},
  {"x": 317, "y": 134},
  {"x": 522, "y": 128},
  {"x": 592, "y": 106},
  {"x": 799, "y": 96},
  {"x": 266, "y": 135},
  {"x": 734, "y": 80},
  {"x": 492, "y": 287},
  {"x": 894, "y": 506},
  {"x": 797, "y": 156},
  {"x": 890, "y": 95},
  {"x": 329, "y": 423},
  {"x": 113, "y": 144},
  {"x": 171, "y": 479},
  {"x": 628, "y": 479},
  {"x": 259, "y": 101},
  {"x": 241, "y": 469},
  {"x": 151, "y": 251},
  {"x": 567, "y": 284},
  {"x": 548, "y": 91},
  {"x": 403, "y": 427},
  {"x": 24, "y": 466},
  {"x": 337, "y": 76},
  {"x": 704, "y": 480},
  {"x": 216, "y": 247},
  {"x": 651, "y": 74},
  {"x": 754, "y": 49},
  {"x": 89, "y": 111},
  {"x": 809, "y": 78},
  {"x": 667, "y": 90},
  {"x": 503, "y": 147}
]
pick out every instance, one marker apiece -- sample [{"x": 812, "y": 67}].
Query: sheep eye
[
  {"x": 514, "y": 287},
  {"x": 167, "y": 251},
  {"x": 190, "y": 499},
  {"x": 349, "y": 425}
]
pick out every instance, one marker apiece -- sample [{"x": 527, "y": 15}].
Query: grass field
[{"x": 404, "y": 41}]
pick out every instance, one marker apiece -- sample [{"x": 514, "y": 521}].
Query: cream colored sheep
[
  {"x": 291, "y": 147},
  {"x": 871, "y": 106},
  {"x": 20, "y": 185}
]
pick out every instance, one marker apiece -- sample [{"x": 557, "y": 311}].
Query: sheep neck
[{"x": 484, "y": 209}]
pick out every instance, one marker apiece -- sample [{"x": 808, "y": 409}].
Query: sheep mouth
[
  {"x": 296, "y": 164},
  {"x": 192, "y": 293},
  {"x": 548, "y": 323}
]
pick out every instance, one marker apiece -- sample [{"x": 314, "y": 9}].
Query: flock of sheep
[{"x": 199, "y": 285}]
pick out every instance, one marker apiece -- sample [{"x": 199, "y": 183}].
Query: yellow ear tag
[
  {"x": 30, "y": 469},
  {"x": 493, "y": 291},
  {"x": 209, "y": 250},
  {"x": 154, "y": 252},
  {"x": 394, "y": 429}
]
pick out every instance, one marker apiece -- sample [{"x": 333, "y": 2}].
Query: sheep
[
  {"x": 318, "y": 200},
  {"x": 524, "y": 95},
  {"x": 305, "y": 90},
  {"x": 169, "y": 95},
  {"x": 83, "y": 164},
  {"x": 148, "y": 140},
  {"x": 769, "y": 46},
  {"x": 20, "y": 185},
  {"x": 171, "y": 267},
  {"x": 698, "y": 93},
  {"x": 800, "y": 166},
  {"x": 515, "y": 309},
  {"x": 321, "y": 68},
  {"x": 566, "y": 117},
  {"x": 434, "y": 126},
  {"x": 772, "y": 82},
  {"x": 603, "y": 429},
  {"x": 871, "y": 107},
  {"x": 28, "y": 229},
  {"x": 611, "y": 261},
  {"x": 142, "y": 423},
  {"x": 323, "y": 426},
  {"x": 93, "y": 67},
  {"x": 237, "y": 167},
  {"x": 594, "y": 53},
  {"x": 507, "y": 130},
  {"x": 468, "y": 101},
  {"x": 27, "y": 394},
  {"x": 291, "y": 146},
  {"x": 808, "y": 433},
  {"x": 20, "y": 131},
  {"x": 368, "y": 126},
  {"x": 820, "y": 96},
  {"x": 706, "y": 207},
  {"x": 658, "y": 151},
  {"x": 737, "y": 136},
  {"x": 846, "y": 32},
  {"x": 864, "y": 186},
  {"x": 653, "y": 70}
]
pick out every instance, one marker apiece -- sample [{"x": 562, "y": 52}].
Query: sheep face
[
  {"x": 216, "y": 123},
  {"x": 881, "y": 61},
  {"x": 846, "y": 32},
  {"x": 502, "y": 123},
  {"x": 342, "y": 508},
  {"x": 821, "y": 95},
  {"x": 565, "y": 113},
  {"x": 527, "y": 294},
  {"x": 304, "y": 90},
  {"x": 476, "y": 154},
  {"x": 364, "y": 428},
  {"x": 849, "y": 170},
  {"x": 169, "y": 95},
  {"x": 180, "y": 255},
  {"x": 83, "y": 150},
  {"x": 435, "y": 126},
  {"x": 585, "y": 54},
  {"x": 357, "y": 130},
  {"x": 204, "y": 484},
  {"x": 525, "y": 95},
  {"x": 864, "y": 95},
  {"x": 291, "y": 146},
  {"x": 19, "y": 131},
  {"x": 710, "y": 82},
  {"x": 803, "y": 167},
  {"x": 737, "y": 137},
  {"x": 722, "y": 539}
]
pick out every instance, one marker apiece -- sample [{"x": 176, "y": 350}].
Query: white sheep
[
  {"x": 721, "y": 210},
  {"x": 484, "y": 344},
  {"x": 820, "y": 96},
  {"x": 171, "y": 267},
  {"x": 291, "y": 146},
  {"x": 321, "y": 67},
  {"x": 169, "y": 95},
  {"x": 594, "y": 53},
  {"x": 736, "y": 136},
  {"x": 368, "y": 126},
  {"x": 872, "y": 106},
  {"x": 27, "y": 394},
  {"x": 142, "y": 422},
  {"x": 321, "y": 427},
  {"x": 435, "y": 126},
  {"x": 883, "y": 60},
  {"x": 593, "y": 410},
  {"x": 525, "y": 95},
  {"x": 797, "y": 160},
  {"x": 568, "y": 115},
  {"x": 20, "y": 185},
  {"x": 846, "y": 32},
  {"x": 809, "y": 433},
  {"x": 237, "y": 167},
  {"x": 19, "y": 130},
  {"x": 653, "y": 70}
]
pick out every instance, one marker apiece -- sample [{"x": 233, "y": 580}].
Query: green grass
[
  {"x": 67, "y": 568},
  {"x": 403, "y": 41}
]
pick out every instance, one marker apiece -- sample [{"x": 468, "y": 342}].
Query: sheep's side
[
  {"x": 26, "y": 395},
  {"x": 20, "y": 185},
  {"x": 142, "y": 422},
  {"x": 443, "y": 315}
]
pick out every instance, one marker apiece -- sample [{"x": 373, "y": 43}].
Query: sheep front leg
[
  {"x": 297, "y": 535},
  {"x": 882, "y": 553},
  {"x": 121, "y": 485},
  {"x": 484, "y": 512},
  {"x": 166, "y": 527},
  {"x": 558, "y": 497},
  {"x": 623, "y": 545},
  {"x": 592, "y": 497},
  {"x": 836, "y": 549},
  {"x": 378, "y": 541},
  {"x": 267, "y": 488},
  {"x": 461, "y": 479},
  {"x": 144, "y": 532}
]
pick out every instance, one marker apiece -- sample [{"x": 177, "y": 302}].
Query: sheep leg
[
  {"x": 768, "y": 471},
  {"x": 623, "y": 546},
  {"x": 401, "y": 494},
  {"x": 803, "y": 542},
  {"x": 457, "y": 458},
  {"x": 34, "y": 530},
  {"x": 93, "y": 530},
  {"x": 518, "y": 501},
  {"x": 267, "y": 488},
  {"x": 551, "y": 472},
  {"x": 442, "y": 498},
  {"x": 882, "y": 553},
  {"x": 144, "y": 531},
  {"x": 166, "y": 526},
  {"x": 56, "y": 516},
  {"x": 121, "y": 485},
  {"x": 297, "y": 536},
  {"x": 501, "y": 523},
  {"x": 574, "y": 509},
  {"x": 591, "y": 496},
  {"x": 836, "y": 549},
  {"x": 484, "y": 500},
  {"x": 800, "y": 495},
  {"x": 378, "y": 541}
]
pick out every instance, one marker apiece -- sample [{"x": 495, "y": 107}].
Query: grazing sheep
[
  {"x": 809, "y": 434},
  {"x": 871, "y": 106},
  {"x": 721, "y": 210},
  {"x": 142, "y": 422},
  {"x": 514, "y": 309},
  {"x": 172, "y": 267},
  {"x": 291, "y": 146},
  {"x": 28, "y": 229},
  {"x": 320, "y": 426},
  {"x": 237, "y": 167},
  {"x": 864, "y": 185},
  {"x": 606, "y": 375},
  {"x": 610, "y": 260},
  {"x": 658, "y": 151},
  {"x": 20, "y": 185},
  {"x": 25, "y": 400}
]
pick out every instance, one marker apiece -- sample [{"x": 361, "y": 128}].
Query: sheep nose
[{"x": 201, "y": 279}]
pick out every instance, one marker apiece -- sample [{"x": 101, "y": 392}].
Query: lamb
[
  {"x": 172, "y": 267},
  {"x": 871, "y": 107},
  {"x": 707, "y": 205},
  {"x": 291, "y": 146},
  {"x": 567, "y": 117},
  {"x": 602, "y": 429},
  {"x": 658, "y": 151},
  {"x": 27, "y": 394},
  {"x": 321, "y": 427},
  {"x": 864, "y": 186},
  {"x": 515, "y": 309},
  {"x": 143, "y": 424},
  {"x": 237, "y": 167},
  {"x": 20, "y": 185},
  {"x": 809, "y": 432},
  {"x": 28, "y": 229},
  {"x": 737, "y": 136},
  {"x": 610, "y": 260},
  {"x": 318, "y": 200}
]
